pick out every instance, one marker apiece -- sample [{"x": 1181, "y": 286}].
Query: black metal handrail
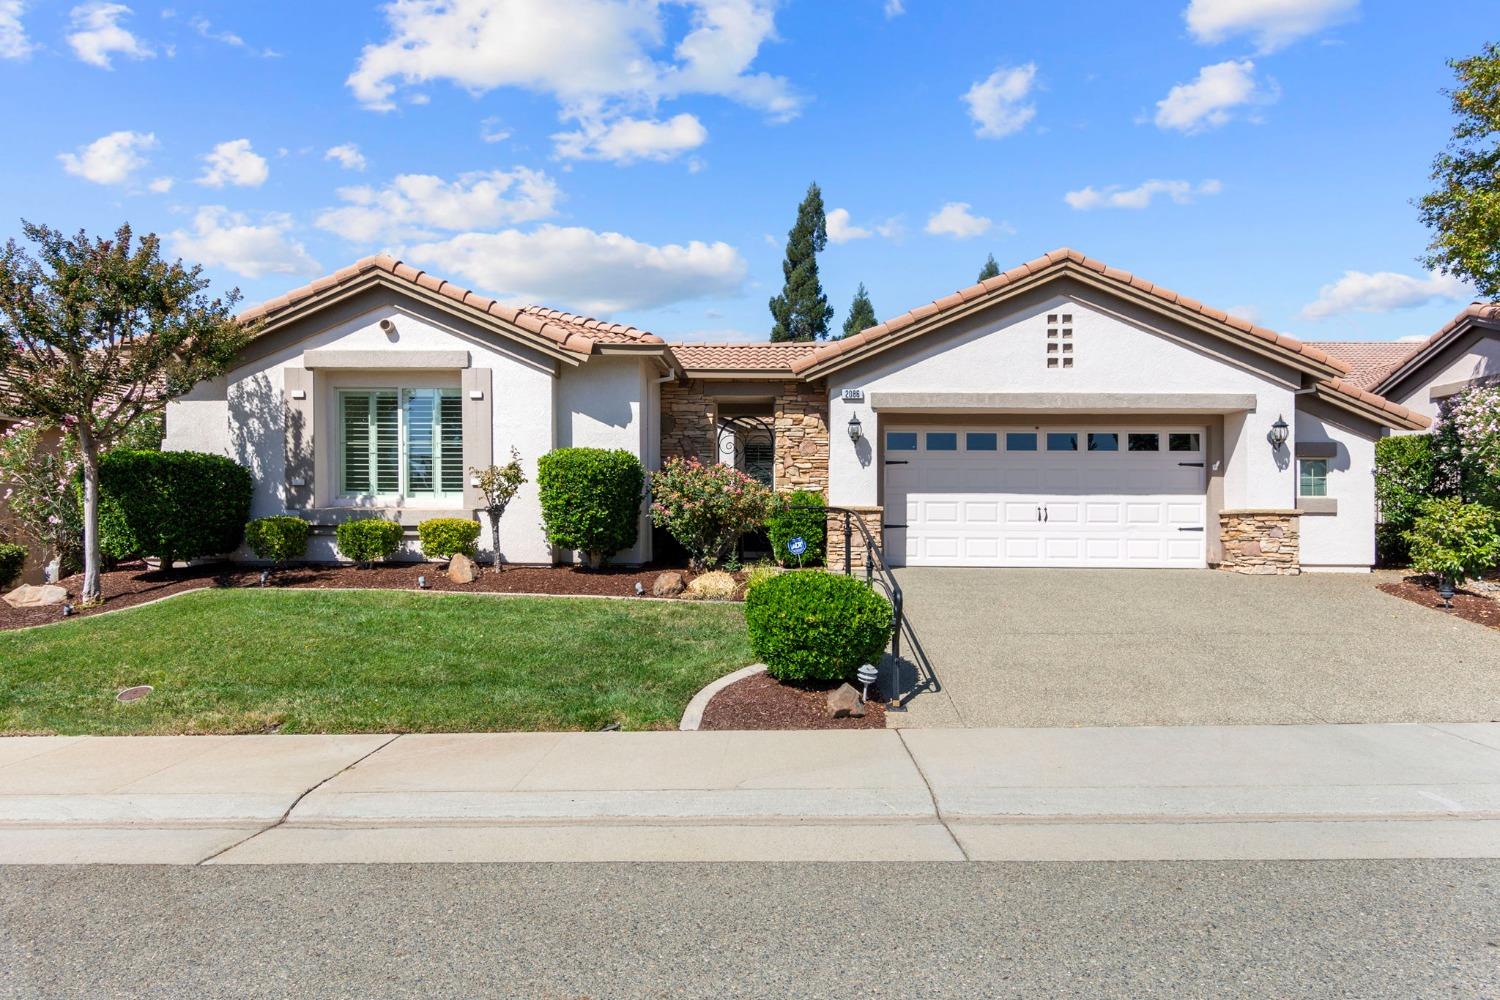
[{"x": 878, "y": 572}]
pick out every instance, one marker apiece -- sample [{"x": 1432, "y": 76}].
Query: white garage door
[{"x": 1048, "y": 496}]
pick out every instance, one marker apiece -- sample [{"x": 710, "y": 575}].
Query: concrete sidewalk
[{"x": 1149, "y": 793}]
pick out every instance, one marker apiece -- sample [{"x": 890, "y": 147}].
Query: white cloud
[
  {"x": 221, "y": 238},
  {"x": 627, "y": 140},
  {"x": 998, "y": 103},
  {"x": 954, "y": 219},
  {"x": 13, "y": 41},
  {"x": 841, "y": 230},
  {"x": 234, "y": 162},
  {"x": 1251, "y": 313},
  {"x": 1383, "y": 291},
  {"x": 1211, "y": 99},
  {"x": 420, "y": 206},
  {"x": 491, "y": 130},
  {"x": 894, "y": 8},
  {"x": 347, "y": 155},
  {"x": 110, "y": 159},
  {"x": 599, "y": 273},
  {"x": 206, "y": 29},
  {"x": 1141, "y": 196},
  {"x": 97, "y": 34},
  {"x": 1273, "y": 24},
  {"x": 161, "y": 185},
  {"x": 585, "y": 53}
]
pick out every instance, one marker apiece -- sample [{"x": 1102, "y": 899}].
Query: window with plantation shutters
[{"x": 400, "y": 443}]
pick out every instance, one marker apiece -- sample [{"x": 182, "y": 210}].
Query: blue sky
[{"x": 643, "y": 160}]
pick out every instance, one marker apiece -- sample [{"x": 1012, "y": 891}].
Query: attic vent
[{"x": 1059, "y": 340}]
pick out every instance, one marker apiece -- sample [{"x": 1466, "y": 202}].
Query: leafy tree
[
  {"x": 1463, "y": 211},
  {"x": 801, "y": 311},
  {"x": 861, "y": 312},
  {"x": 1455, "y": 539},
  {"x": 499, "y": 484},
  {"x": 95, "y": 333},
  {"x": 990, "y": 269}
]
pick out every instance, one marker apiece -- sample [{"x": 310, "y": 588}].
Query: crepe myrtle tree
[
  {"x": 96, "y": 333},
  {"x": 499, "y": 484}
]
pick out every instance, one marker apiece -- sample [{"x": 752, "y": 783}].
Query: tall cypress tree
[
  {"x": 801, "y": 311},
  {"x": 990, "y": 268},
  {"x": 861, "y": 312}
]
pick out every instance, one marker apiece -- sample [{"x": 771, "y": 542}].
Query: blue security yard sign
[{"x": 797, "y": 546}]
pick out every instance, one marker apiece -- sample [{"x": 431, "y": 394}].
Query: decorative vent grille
[{"x": 1059, "y": 340}]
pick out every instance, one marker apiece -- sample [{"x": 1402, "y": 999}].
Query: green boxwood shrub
[
  {"x": 446, "y": 537},
  {"x": 366, "y": 539},
  {"x": 1455, "y": 539},
  {"x": 280, "y": 539},
  {"x": 591, "y": 500},
  {"x": 787, "y": 522},
  {"x": 1406, "y": 477},
  {"x": 12, "y": 560},
  {"x": 171, "y": 504},
  {"x": 811, "y": 625}
]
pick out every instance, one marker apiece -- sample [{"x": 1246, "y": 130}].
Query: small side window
[
  {"x": 1312, "y": 479},
  {"x": 981, "y": 441},
  {"x": 1143, "y": 442},
  {"x": 1106, "y": 441},
  {"x": 942, "y": 441},
  {"x": 901, "y": 441},
  {"x": 1020, "y": 441},
  {"x": 1183, "y": 442},
  {"x": 1062, "y": 441}
]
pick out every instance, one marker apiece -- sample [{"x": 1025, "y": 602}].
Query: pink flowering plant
[
  {"x": 37, "y": 488},
  {"x": 1468, "y": 430},
  {"x": 707, "y": 508}
]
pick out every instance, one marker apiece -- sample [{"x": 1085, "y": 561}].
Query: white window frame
[
  {"x": 1313, "y": 496},
  {"x": 403, "y": 493}
]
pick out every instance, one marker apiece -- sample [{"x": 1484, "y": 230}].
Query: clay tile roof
[
  {"x": 751, "y": 357},
  {"x": 1483, "y": 312},
  {"x": 1368, "y": 360},
  {"x": 576, "y": 334},
  {"x": 1052, "y": 260}
]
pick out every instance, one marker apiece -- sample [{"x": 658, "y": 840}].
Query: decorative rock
[
  {"x": 27, "y": 596},
  {"x": 844, "y": 701},
  {"x": 668, "y": 585},
  {"x": 461, "y": 569}
]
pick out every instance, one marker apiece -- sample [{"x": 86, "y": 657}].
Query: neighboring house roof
[
  {"x": 1368, "y": 360},
  {"x": 753, "y": 358},
  {"x": 558, "y": 332},
  {"x": 1485, "y": 314},
  {"x": 1335, "y": 383}
]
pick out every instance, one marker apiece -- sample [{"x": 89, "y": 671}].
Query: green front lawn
[{"x": 302, "y": 661}]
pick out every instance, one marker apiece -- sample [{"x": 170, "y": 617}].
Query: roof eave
[
  {"x": 1425, "y": 352},
  {"x": 1406, "y": 420}
]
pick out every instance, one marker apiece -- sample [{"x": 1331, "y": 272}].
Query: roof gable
[{"x": 1480, "y": 314}]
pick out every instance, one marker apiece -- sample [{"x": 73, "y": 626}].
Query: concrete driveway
[{"x": 1034, "y": 647}]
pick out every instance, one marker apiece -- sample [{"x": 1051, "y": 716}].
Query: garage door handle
[
  {"x": 1039, "y": 513},
  {"x": 1189, "y": 529},
  {"x": 1191, "y": 465},
  {"x": 1046, "y": 514},
  {"x": 896, "y": 461}
]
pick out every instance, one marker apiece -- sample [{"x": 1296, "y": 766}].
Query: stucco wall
[
  {"x": 1118, "y": 348},
  {"x": 1475, "y": 355},
  {"x": 602, "y": 404},
  {"x": 1346, "y": 539}
]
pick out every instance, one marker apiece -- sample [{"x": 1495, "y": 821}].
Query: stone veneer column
[
  {"x": 688, "y": 419},
  {"x": 801, "y": 427},
  {"x": 1260, "y": 541},
  {"x": 874, "y": 518}
]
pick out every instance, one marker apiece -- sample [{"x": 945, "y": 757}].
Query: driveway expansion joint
[{"x": 937, "y": 810}]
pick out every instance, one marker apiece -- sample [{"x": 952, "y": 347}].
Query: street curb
[{"x": 692, "y": 716}]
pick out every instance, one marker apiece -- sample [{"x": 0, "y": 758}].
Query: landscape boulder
[
  {"x": 844, "y": 702},
  {"x": 668, "y": 585},
  {"x": 28, "y": 596},
  {"x": 461, "y": 569}
]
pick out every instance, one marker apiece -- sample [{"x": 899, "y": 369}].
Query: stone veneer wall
[
  {"x": 1263, "y": 542},
  {"x": 687, "y": 421},
  {"x": 874, "y": 518},
  {"x": 801, "y": 427}
]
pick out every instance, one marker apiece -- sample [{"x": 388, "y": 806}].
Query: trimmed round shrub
[
  {"x": 12, "y": 560},
  {"x": 171, "y": 505},
  {"x": 591, "y": 500},
  {"x": 366, "y": 539},
  {"x": 446, "y": 537},
  {"x": 280, "y": 539},
  {"x": 1455, "y": 539},
  {"x": 787, "y": 522},
  {"x": 815, "y": 626}
]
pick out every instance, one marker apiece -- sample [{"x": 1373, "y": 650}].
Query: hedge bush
[
  {"x": 1455, "y": 539},
  {"x": 280, "y": 539},
  {"x": 446, "y": 537},
  {"x": 707, "y": 508},
  {"x": 787, "y": 522},
  {"x": 1406, "y": 473},
  {"x": 12, "y": 560},
  {"x": 366, "y": 539},
  {"x": 591, "y": 500},
  {"x": 816, "y": 626},
  {"x": 171, "y": 504}
]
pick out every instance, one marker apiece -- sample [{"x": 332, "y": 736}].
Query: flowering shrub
[
  {"x": 1468, "y": 432},
  {"x": 707, "y": 507},
  {"x": 36, "y": 486},
  {"x": 1455, "y": 539}
]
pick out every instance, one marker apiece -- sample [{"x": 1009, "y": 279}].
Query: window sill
[
  {"x": 1318, "y": 505},
  {"x": 406, "y": 516}
]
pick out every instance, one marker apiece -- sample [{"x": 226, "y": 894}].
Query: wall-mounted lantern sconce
[
  {"x": 856, "y": 429},
  {"x": 1279, "y": 431}
]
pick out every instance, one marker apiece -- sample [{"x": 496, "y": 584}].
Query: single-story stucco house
[{"x": 1064, "y": 413}]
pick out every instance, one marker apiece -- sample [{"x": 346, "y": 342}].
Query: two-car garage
[{"x": 1095, "y": 494}]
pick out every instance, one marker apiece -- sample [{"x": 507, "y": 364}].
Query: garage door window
[
  {"x": 1015, "y": 441},
  {"x": 1143, "y": 442},
  {"x": 942, "y": 441},
  {"x": 1062, "y": 441},
  {"x": 981, "y": 442},
  {"x": 1183, "y": 442},
  {"x": 1107, "y": 441},
  {"x": 901, "y": 441}
]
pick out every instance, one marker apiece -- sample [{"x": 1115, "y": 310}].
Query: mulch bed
[
  {"x": 1467, "y": 605},
  {"x": 758, "y": 702},
  {"x": 136, "y": 583}
]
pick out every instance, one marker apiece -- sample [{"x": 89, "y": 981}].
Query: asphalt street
[{"x": 1242, "y": 929}]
